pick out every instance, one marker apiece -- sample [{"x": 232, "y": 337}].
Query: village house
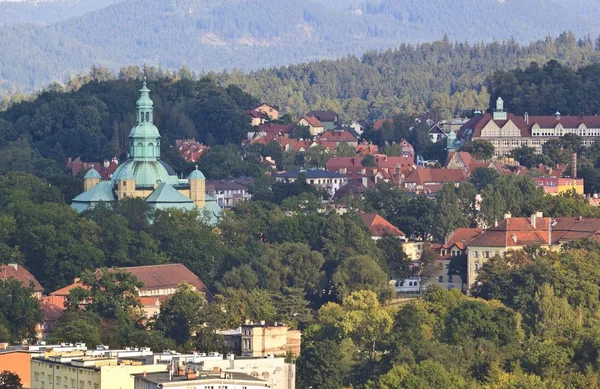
[
  {"x": 229, "y": 192},
  {"x": 267, "y": 132},
  {"x": 559, "y": 185},
  {"x": 337, "y": 137},
  {"x": 430, "y": 180},
  {"x": 355, "y": 188},
  {"x": 387, "y": 168},
  {"x": 256, "y": 117},
  {"x": 320, "y": 179},
  {"x": 190, "y": 149},
  {"x": 315, "y": 127},
  {"x": 466, "y": 162},
  {"x": 381, "y": 228},
  {"x": 328, "y": 118},
  {"x": 106, "y": 168},
  {"x": 272, "y": 112},
  {"x": 507, "y": 131}
]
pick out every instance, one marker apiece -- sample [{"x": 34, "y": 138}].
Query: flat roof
[{"x": 164, "y": 377}]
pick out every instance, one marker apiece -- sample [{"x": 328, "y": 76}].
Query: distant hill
[
  {"x": 48, "y": 11},
  {"x": 216, "y": 34}
]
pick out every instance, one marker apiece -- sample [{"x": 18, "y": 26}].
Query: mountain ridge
[{"x": 217, "y": 35}]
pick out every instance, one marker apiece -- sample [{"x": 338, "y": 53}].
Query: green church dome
[
  {"x": 196, "y": 175},
  {"x": 92, "y": 173},
  {"x": 145, "y": 173}
]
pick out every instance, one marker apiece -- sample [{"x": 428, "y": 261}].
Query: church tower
[
  {"x": 144, "y": 139},
  {"x": 197, "y": 188},
  {"x": 91, "y": 179}
]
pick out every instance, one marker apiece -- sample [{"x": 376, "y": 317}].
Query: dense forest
[
  {"x": 47, "y": 12},
  {"x": 215, "y": 35},
  {"x": 442, "y": 76}
]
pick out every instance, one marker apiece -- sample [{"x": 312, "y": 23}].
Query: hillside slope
[{"x": 214, "y": 34}]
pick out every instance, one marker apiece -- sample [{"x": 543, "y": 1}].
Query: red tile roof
[
  {"x": 20, "y": 274},
  {"x": 313, "y": 121},
  {"x": 338, "y": 136},
  {"x": 324, "y": 116},
  {"x": 379, "y": 227},
  {"x": 427, "y": 176},
  {"x": 516, "y": 232},
  {"x": 52, "y": 307},
  {"x": 477, "y": 123},
  {"x": 462, "y": 237},
  {"x": 156, "y": 277}
]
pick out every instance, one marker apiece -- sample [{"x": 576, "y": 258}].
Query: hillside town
[{"x": 349, "y": 221}]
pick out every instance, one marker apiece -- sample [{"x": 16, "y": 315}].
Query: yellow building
[
  {"x": 558, "y": 185},
  {"x": 77, "y": 371}
]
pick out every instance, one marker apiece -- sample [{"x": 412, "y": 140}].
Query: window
[
  {"x": 476, "y": 268},
  {"x": 451, "y": 279},
  {"x": 72, "y": 383},
  {"x": 441, "y": 279},
  {"x": 486, "y": 254},
  {"x": 58, "y": 380},
  {"x": 81, "y": 384},
  {"x": 476, "y": 254},
  {"x": 37, "y": 376},
  {"x": 147, "y": 116}
]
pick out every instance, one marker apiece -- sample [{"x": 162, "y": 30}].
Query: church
[{"x": 145, "y": 176}]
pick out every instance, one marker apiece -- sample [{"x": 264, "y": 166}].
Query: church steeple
[
  {"x": 145, "y": 106},
  {"x": 144, "y": 139}
]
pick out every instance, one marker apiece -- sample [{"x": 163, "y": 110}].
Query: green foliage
[
  {"x": 19, "y": 311},
  {"x": 480, "y": 149},
  {"x": 77, "y": 326},
  {"x": 369, "y": 161},
  {"x": 10, "y": 380},
  {"x": 181, "y": 315},
  {"x": 320, "y": 366}
]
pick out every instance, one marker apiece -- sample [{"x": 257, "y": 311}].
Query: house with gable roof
[
  {"x": 328, "y": 117},
  {"x": 314, "y": 125}
]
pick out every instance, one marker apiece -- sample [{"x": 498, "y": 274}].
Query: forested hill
[
  {"x": 214, "y": 34},
  {"x": 47, "y": 12},
  {"x": 440, "y": 76}
]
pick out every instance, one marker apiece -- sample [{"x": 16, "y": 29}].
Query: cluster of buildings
[{"x": 75, "y": 366}]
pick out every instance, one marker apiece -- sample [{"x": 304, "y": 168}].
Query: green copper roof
[
  {"x": 165, "y": 196},
  {"x": 144, "y": 101},
  {"x": 144, "y": 130},
  {"x": 145, "y": 173},
  {"x": 196, "y": 175},
  {"x": 212, "y": 210},
  {"x": 102, "y": 192},
  {"x": 92, "y": 173}
]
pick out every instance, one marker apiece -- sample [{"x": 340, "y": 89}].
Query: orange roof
[
  {"x": 67, "y": 289},
  {"x": 52, "y": 307},
  {"x": 425, "y": 176},
  {"x": 462, "y": 237},
  {"x": 380, "y": 227},
  {"x": 20, "y": 274},
  {"x": 313, "y": 121},
  {"x": 338, "y": 136},
  {"x": 156, "y": 277}
]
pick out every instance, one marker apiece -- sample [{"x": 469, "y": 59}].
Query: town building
[
  {"x": 320, "y": 179},
  {"x": 77, "y": 369},
  {"x": 145, "y": 176},
  {"x": 439, "y": 132},
  {"x": 380, "y": 228},
  {"x": 106, "y": 169},
  {"x": 517, "y": 233},
  {"x": 259, "y": 339},
  {"x": 229, "y": 192},
  {"x": 430, "y": 180},
  {"x": 355, "y": 187},
  {"x": 314, "y": 125},
  {"x": 18, "y": 362},
  {"x": 160, "y": 282},
  {"x": 189, "y": 378},
  {"x": 328, "y": 118},
  {"x": 387, "y": 168},
  {"x": 256, "y": 117},
  {"x": 507, "y": 131},
  {"x": 559, "y": 185},
  {"x": 22, "y": 275},
  {"x": 466, "y": 162}
]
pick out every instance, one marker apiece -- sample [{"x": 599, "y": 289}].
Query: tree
[
  {"x": 77, "y": 326},
  {"x": 427, "y": 266},
  {"x": 369, "y": 161},
  {"x": 396, "y": 261},
  {"x": 458, "y": 266},
  {"x": 480, "y": 149},
  {"x": 358, "y": 273},
  {"x": 319, "y": 366},
  {"x": 449, "y": 211},
  {"x": 316, "y": 156},
  {"x": 19, "y": 310},
  {"x": 9, "y": 380},
  {"x": 114, "y": 294},
  {"x": 365, "y": 321},
  {"x": 343, "y": 149},
  {"x": 482, "y": 177},
  {"x": 181, "y": 315}
]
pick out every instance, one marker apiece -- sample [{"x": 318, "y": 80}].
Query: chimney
[
  {"x": 144, "y": 373},
  {"x": 507, "y": 215},
  {"x": 574, "y": 165},
  {"x": 526, "y": 117},
  {"x": 365, "y": 182},
  {"x": 514, "y": 238},
  {"x": 533, "y": 219}
]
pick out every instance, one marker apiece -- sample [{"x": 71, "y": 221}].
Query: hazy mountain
[
  {"x": 249, "y": 34},
  {"x": 47, "y": 11}
]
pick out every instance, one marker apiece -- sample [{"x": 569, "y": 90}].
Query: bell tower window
[{"x": 147, "y": 116}]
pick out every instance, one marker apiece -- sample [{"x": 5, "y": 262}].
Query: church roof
[
  {"x": 196, "y": 175},
  {"x": 165, "y": 196},
  {"x": 102, "y": 192},
  {"x": 145, "y": 173},
  {"x": 92, "y": 173}
]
